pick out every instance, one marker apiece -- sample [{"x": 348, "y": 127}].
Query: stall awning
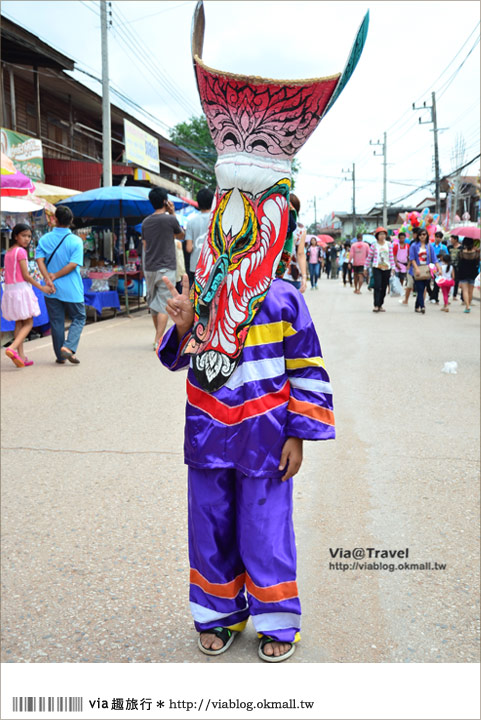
[
  {"x": 53, "y": 193},
  {"x": 167, "y": 184}
]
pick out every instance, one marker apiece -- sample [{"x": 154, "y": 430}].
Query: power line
[
  {"x": 152, "y": 62},
  {"x": 159, "y": 12},
  {"x": 431, "y": 182},
  {"x": 89, "y": 7},
  {"x": 453, "y": 76}
]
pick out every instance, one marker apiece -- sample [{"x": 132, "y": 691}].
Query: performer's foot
[
  {"x": 210, "y": 641},
  {"x": 273, "y": 651},
  {"x": 276, "y": 648},
  {"x": 216, "y": 641}
]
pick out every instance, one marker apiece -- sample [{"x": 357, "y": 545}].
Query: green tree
[{"x": 194, "y": 136}]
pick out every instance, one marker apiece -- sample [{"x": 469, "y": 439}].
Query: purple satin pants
[{"x": 242, "y": 553}]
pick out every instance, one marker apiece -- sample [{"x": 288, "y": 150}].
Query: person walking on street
[
  {"x": 313, "y": 255},
  {"x": 381, "y": 257},
  {"x": 357, "y": 256},
  {"x": 296, "y": 272},
  {"x": 409, "y": 277},
  {"x": 468, "y": 270},
  {"x": 446, "y": 281},
  {"x": 196, "y": 230},
  {"x": 159, "y": 232},
  {"x": 59, "y": 257},
  {"x": 454, "y": 248},
  {"x": 334, "y": 258},
  {"x": 401, "y": 257},
  {"x": 327, "y": 262},
  {"x": 421, "y": 255},
  {"x": 438, "y": 247},
  {"x": 345, "y": 264},
  {"x": 19, "y": 302}
]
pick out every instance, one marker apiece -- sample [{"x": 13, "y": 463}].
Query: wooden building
[{"x": 41, "y": 100}]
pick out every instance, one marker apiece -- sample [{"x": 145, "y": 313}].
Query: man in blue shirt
[
  {"x": 439, "y": 246},
  {"x": 59, "y": 257}
]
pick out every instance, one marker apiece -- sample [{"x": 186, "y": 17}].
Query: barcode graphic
[{"x": 47, "y": 704}]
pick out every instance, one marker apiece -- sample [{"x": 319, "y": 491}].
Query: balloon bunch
[{"x": 421, "y": 220}]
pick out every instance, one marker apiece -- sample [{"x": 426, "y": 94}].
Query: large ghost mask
[{"x": 257, "y": 126}]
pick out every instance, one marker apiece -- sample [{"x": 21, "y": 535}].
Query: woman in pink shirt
[
  {"x": 19, "y": 302},
  {"x": 313, "y": 258}
]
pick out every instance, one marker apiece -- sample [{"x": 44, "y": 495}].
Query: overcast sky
[{"x": 412, "y": 49}]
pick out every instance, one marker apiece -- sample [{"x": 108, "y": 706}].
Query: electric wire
[{"x": 152, "y": 62}]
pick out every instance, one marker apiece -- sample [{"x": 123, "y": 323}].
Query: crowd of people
[{"x": 421, "y": 267}]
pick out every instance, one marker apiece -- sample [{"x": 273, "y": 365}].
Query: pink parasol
[
  {"x": 469, "y": 231},
  {"x": 16, "y": 184},
  {"x": 326, "y": 239}
]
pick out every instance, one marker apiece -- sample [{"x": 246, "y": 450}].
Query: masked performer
[{"x": 256, "y": 386}]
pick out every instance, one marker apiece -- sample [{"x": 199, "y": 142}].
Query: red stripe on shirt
[{"x": 232, "y": 415}]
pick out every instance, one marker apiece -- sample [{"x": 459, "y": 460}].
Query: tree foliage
[{"x": 195, "y": 137}]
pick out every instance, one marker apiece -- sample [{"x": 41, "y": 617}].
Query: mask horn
[{"x": 198, "y": 29}]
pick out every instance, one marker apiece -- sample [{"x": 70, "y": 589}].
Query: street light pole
[
  {"x": 434, "y": 121},
  {"x": 436, "y": 152},
  {"x": 353, "y": 199},
  {"x": 353, "y": 178},
  {"x": 106, "y": 126},
  {"x": 384, "y": 153}
]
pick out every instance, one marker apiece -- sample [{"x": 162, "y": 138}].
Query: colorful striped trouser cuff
[{"x": 242, "y": 553}]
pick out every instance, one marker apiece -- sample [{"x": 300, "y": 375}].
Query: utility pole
[
  {"x": 384, "y": 200},
  {"x": 106, "y": 126},
  {"x": 353, "y": 178},
  {"x": 315, "y": 216},
  {"x": 434, "y": 121}
]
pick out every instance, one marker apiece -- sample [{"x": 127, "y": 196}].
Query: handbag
[{"x": 423, "y": 273}]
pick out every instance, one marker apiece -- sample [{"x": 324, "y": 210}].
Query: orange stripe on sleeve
[
  {"x": 272, "y": 593},
  {"x": 313, "y": 411},
  {"x": 228, "y": 590}
]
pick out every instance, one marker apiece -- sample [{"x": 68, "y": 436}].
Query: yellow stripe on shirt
[
  {"x": 269, "y": 333},
  {"x": 304, "y": 362}
]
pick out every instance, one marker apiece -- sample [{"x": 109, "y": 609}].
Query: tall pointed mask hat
[{"x": 257, "y": 126}]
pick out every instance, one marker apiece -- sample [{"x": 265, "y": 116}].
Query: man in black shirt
[{"x": 159, "y": 232}]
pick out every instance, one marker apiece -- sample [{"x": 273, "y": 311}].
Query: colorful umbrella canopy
[
  {"x": 21, "y": 205},
  {"x": 16, "y": 184},
  {"x": 469, "y": 231},
  {"x": 124, "y": 201},
  {"x": 369, "y": 239},
  {"x": 326, "y": 239}
]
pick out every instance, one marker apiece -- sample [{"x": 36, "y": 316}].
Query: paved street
[{"x": 95, "y": 565}]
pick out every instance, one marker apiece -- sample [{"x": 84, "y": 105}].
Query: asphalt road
[{"x": 95, "y": 565}]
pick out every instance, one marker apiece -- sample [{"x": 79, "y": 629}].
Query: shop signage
[
  {"x": 25, "y": 152},
  {"x": 140, "y": 147}
]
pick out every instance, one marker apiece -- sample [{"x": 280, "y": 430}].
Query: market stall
[{"x": 121, "y": 203}]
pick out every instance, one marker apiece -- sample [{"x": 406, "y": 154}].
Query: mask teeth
[
  {"x": 235, "y": 279},
  {"x": 243, "y": 270}
]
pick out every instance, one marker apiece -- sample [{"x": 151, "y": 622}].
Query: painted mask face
[{"x": 257, "y": 126}]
